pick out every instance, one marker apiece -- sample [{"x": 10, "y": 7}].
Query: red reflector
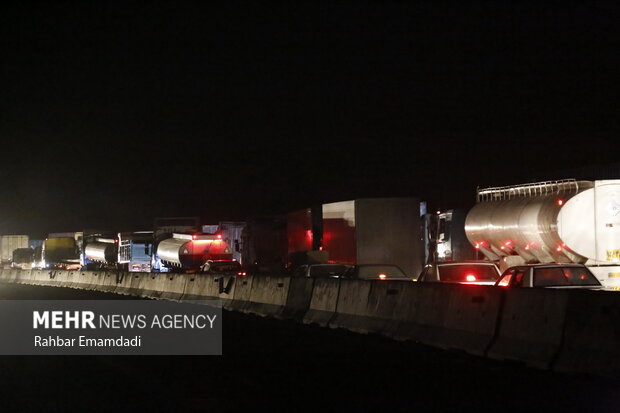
[{"x": 470, "y": 277}]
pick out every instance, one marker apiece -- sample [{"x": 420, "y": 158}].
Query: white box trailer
[{"x": 374, "y": 231}]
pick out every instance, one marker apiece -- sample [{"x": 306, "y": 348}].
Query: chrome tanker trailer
[
  {"x": 188, "y": 252},
  {"x": 555, "y": 221},
  {"x": 100, "y": 251}
]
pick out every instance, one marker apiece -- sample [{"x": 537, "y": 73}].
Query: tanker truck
[
  {"x": 564, "y": 221},
  {"x": 100, "y": 250},
  {"x": 189, "y": 252}
]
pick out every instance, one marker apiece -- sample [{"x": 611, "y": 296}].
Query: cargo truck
[
  {"x": 264, "y": 245},
  {"x": 444, "y": 237},
  {"x": 189, "y": 252},
  {"x": 23, "y": 258},
  {"x": 62, "y": 250},
  {"x": 135, "y": 251},
  {"x": 361, "y": 231},
  {"x": 563, "y": 221},
  {"x": 8, "y": 244}
]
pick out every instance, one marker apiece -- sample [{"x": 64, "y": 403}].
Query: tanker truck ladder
[{"x": 533, "y": 189}]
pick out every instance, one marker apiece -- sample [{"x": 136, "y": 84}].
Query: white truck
[{"x": 564, "y": 221}]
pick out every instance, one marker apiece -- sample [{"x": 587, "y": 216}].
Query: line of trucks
[
  {"x": 179, "y": 244},
  {"x": 565, "y": 221}
]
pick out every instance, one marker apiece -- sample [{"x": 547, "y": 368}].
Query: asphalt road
[{"x": 283, "y": 366}]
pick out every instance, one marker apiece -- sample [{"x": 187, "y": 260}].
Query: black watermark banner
[{"x": 112, "y": 327}]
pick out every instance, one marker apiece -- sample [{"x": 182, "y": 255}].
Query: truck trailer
[
  {"x": 189, "y": 252},
  {"x": 361, "y": 231},
  {"x": 8, "y": 244},
  {"x": 99, "y": 250},
  {"x": 62, "y": 250},
  {"x": 23, "y": 258},
  {"x": 563, "y": 221}
]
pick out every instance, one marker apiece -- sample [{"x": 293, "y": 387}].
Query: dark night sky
[{"x": 114, "y": 113}]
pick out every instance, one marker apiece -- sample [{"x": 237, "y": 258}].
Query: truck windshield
[
  {"x": 467, "y": 272},
  {"x": 561, "y": 276}
]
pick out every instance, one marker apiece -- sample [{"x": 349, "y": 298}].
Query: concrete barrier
[
  {"x": 124, "y": 282},
  {"x": 152, "y": 284},
  {"x": 107, "y": 282},
  {"x": 210, "y": 287},
  {"x": 22, "y": 276},
  {"x": 45, "y": 277},
  {"x": 268, "y": 295},
  {"x": 455, "y": 316},
  {"x": 60, "y": 279},
  {"x": 530, "y": 326},
  {"x": 85, "y": 280},
  {"x": 96, "y": 279},
  {"x": 352, "y": 306},
  {"x": 139, "y": 281},
  {"x": 199, "y": 287},
  {"x": 70, "y": 278},
  {"x": 241, "y": 295},
  {"x": 12, "y": 275},
  {"x": 323, "y": 302},
  {"x": 389, "y": 303},
  {"x": 224, "y": 288},
  {"x": 166, "y": 286},
  {"x": 34, "y": 274},
  {"x": 591, "y": 334},
  {"x": 298, "y": 298},
  {"x": 565, "y": 330}
]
